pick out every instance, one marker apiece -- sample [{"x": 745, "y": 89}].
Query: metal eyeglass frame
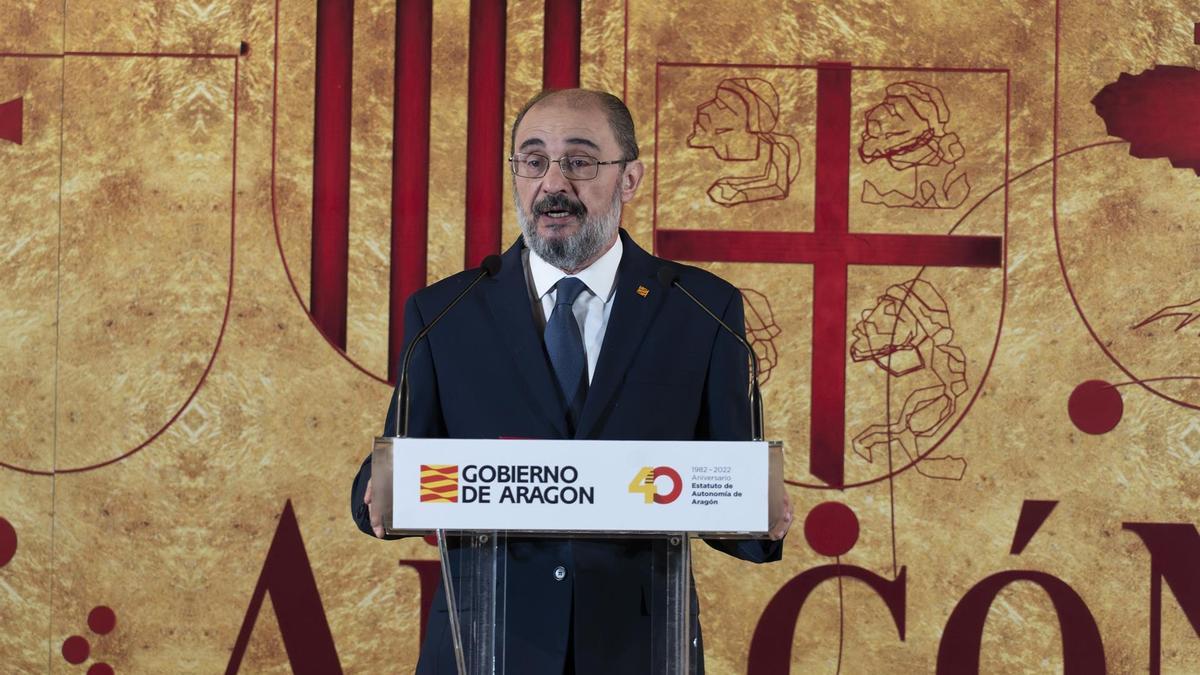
[{"x": 512, "y": 165}]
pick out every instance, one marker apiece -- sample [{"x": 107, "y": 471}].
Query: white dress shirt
[{"x": 593, "y": 306}]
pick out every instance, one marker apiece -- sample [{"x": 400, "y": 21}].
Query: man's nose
[{"x": 555, "y": 181}]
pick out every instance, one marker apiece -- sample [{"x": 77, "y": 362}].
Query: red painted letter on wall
[{"x": 288, "y": 577}]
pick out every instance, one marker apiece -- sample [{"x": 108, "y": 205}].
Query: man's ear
[{"x": 631, "y": 178}]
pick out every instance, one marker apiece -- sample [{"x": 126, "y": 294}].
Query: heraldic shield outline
[
  {"x": 334, "y": 182},
  {"x": 153, "y": 308},
  {"x": 831, "y": 244}
]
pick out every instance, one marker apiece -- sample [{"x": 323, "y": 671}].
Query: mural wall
[{"x": 964, "y": 233}]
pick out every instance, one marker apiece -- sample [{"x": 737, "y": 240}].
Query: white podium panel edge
[{"x": 382, "y": 488}]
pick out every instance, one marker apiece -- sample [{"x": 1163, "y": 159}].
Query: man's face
[{"x": 571, "y": 222}]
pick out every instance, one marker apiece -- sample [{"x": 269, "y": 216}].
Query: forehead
[{"x": 554, "y": 125}]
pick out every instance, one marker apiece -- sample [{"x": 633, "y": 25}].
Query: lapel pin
[{"x": 643, "y": 291}]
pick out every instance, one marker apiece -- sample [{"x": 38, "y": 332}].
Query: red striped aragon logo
[{"x": 439, "y": 483}]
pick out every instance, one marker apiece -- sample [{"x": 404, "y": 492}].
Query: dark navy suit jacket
[{"x": 666, "y": 372}]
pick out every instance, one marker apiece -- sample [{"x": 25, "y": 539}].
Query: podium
[{"x": 483, "y": 494}]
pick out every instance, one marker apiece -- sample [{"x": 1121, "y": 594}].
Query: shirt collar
[{"x": 599, "y": 277}]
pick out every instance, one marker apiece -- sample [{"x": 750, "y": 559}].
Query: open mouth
[{"x": 558, "y": 208}]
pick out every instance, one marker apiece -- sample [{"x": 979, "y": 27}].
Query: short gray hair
[{"x": 614, "y": 109}]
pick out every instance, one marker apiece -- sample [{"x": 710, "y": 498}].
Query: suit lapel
[
  {"x": 509, "y": 304},
  {"x": 632, "y": 314}
]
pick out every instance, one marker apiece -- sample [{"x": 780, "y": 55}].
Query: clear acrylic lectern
[{"x": 474, "y": 556}]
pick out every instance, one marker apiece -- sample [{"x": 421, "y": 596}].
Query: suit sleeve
[
  {"x": 425, "y": 417},
  {"x": 725, "y": 416}
]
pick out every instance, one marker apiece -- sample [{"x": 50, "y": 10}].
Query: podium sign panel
[
  {"x": 478, "y": 492},
  {"x": 610, "y": 487}
]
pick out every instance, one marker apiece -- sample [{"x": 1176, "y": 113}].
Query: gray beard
[{"x": 570, "y": 253}]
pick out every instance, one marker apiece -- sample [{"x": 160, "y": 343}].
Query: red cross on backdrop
[
  {"x": 831, "y": 248},
  {"x": 11, "y": 120}
]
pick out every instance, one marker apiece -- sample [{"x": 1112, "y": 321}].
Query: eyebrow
[
  {"x": 531, "y": 142},
  {"x": 583, "y": 141},
  {"x": 537, "y": 142}
]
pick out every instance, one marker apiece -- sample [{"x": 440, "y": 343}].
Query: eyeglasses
[{"x": 574, "y": 167}]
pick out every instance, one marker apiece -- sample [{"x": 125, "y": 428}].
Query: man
[{"x": 574, "y": 338}]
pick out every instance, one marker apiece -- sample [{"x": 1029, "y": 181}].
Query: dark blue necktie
[{"x": 565, "y": 347}]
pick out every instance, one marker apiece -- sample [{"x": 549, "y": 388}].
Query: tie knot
[{"x": 569, "y": 288}]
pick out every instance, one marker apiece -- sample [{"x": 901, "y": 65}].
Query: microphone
[
  {"x": 490, "y": 267},
  {"x": 668, "y": 277}
]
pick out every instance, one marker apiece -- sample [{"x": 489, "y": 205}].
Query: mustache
[{"x": 559, "y": 202}]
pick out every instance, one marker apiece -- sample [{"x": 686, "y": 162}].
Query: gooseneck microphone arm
[
  {"x": 668, "y": 277},
  {"x": 490, "y": 267}
]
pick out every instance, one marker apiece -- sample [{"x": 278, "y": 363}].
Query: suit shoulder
[
  {"x": 442, "y": 291},
  {"x": 451, "y": 284},
  {"x": 705, "y": 284}
]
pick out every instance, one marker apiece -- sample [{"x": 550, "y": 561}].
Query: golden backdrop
[{"x": 171, "y": 409}]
